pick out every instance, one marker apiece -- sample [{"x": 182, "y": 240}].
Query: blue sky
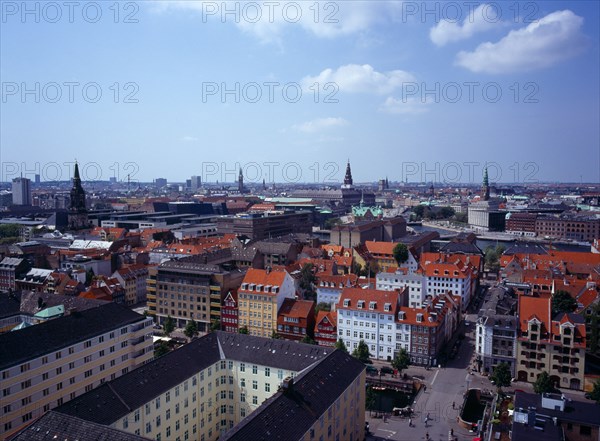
[{"x": 410, "y": 90}]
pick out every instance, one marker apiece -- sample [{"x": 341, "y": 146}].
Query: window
[
  {"x": 242, "y": 367},
  {"x": 267, "y": 387},
  {"x": 254, "y": 384},
  {"x": 254, "y": 369},
  {"x": 254, "y": 399}
]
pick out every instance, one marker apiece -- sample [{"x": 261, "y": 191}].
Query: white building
[
  {"x": 369, "y": 315},
  {"x": 21, "y": 191},
  {"x": 415, "y": 282},
  {"x": 329, "y": 288}
]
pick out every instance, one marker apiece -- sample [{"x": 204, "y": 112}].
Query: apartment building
[
  {"x": 402, "y": 278},
  {"x": 296, "y": 319},
  {"x": 457, "y": 274},
  {"x": 45, "y": 365},
  {"x": 368, "y": 315},
  {"x": 133, "y": 279},
  {"x": 426, "y": 330},
  {"x": 329, "y": 287},
  {"x": 207, "y": 387},
  {"x": 10, "y": 269},
  {"x": 555, "y": 345},
  {"x": 326, "y": 328},
  {"x": 260, "y": 297},
  {"x": 496, "y": 331},
  {"x": 189, "y": 290},
  {"x": 229, "y": 312}
]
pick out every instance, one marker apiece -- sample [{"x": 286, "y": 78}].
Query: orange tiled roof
[
  {"x": 261, "y": 277},
  {"x": 535, "y": 307},
  {"x": 380, "y": 248},
  {"x": 355, "y": 295},
  {"x": 330, "y": 315}
]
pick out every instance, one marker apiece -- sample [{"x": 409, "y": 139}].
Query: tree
[
  {"x": 501, "y": 375},
  {"x": 215, "y": 325},
  {"x": 370, "y": 399},
  {"x": 563, "y": 302},
  {"x": 89, "y": 276},
  {"x": 161, "y": 349},
  {"x": 191, "y": 329},
  {"x": 446, "y": 212},
  {"x": 594, "y": 336},
  {"x": 361, "y": 352},
  {"x": 323, "y": 306},
  {"x": 492, "y": 257},
  {"x": 243, "y": 330},
  {"x": 308, "y": 281},
  {"x": 169, "y": 325},
  {"x": 341, "y": 346},
  {"x": 419, "y": 211},
  {"x": 275, "y": 335},
  {"x": 400, "y": 252},
  {"x": 543, "y": 383},
  {"x": 595, "y": 393},
  {"x": 401, "y": 361},
  {"x": 463, "y": 218},
  {"x": 308, "y": 340}
]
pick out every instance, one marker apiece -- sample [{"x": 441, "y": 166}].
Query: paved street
[{"x": 443, "y": 387}]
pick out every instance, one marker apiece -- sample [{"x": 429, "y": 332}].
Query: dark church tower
[
  {"x": 241, "y": 182},
  {"x": 77, "y": 210},
  {"x": 348, "y": 178},
  {"x": 485, "y": 188}
]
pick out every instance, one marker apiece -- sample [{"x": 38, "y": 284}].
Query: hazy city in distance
[{"x": 299, "y": 220}]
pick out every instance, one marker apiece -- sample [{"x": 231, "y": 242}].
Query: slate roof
[
  {"x": 117, "y": 398},
  {"x": 311, "y": 394},
  {"x": 57, "y": 426},
  {"x": 59, "y": 333},
  {"x": 10, "y": 305},
  {"x": 585, "y": 413}
]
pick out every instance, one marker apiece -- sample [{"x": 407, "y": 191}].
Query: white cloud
[
  {"x": 480, "y": 19},
  {"x": 550, "y": 40},
  {"x": 320, "y": 124},
  {"x": 355, "y": 78},
  {"x": 406, "y": 106},
  {"x": 189, "y": 138},
  {"x": 267, "y": 20}
]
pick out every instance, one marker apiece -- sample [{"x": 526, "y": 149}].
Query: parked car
[{"x": 387, "y": 370}]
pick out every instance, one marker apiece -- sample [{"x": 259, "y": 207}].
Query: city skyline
[{"x": 162, "y": 89}]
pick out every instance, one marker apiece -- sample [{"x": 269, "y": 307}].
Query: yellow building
[
  {"x": 260, "y": 297},
  {"x": 46, "y": 365}
]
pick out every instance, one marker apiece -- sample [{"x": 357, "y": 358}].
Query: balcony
[{"x": 137, "y": 343}]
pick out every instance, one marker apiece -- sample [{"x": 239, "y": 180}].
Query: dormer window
[
  {"x": 346, "y": 303},
  {"x": 361, "y": 304},
  {"x": 456, "y": 273},
  {"x": 244, "y": 286},
  {"x": 275, "y": 289},
  {"x": 435, "y": 271},
  {"x": 268, "y": 288},
  {"x": 259, "y": 287},
  {"x": 372, "y": 305},
  {"x": 387, "y": 307},
  {"x": 446, "y": 272},
  {"x": 401, "y": 315},
  {"x": 419, "y": 318}
]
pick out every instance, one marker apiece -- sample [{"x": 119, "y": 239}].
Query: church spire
[
  {"x": 485, "y": 188},
  {"x": 348, "y": 178}
]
